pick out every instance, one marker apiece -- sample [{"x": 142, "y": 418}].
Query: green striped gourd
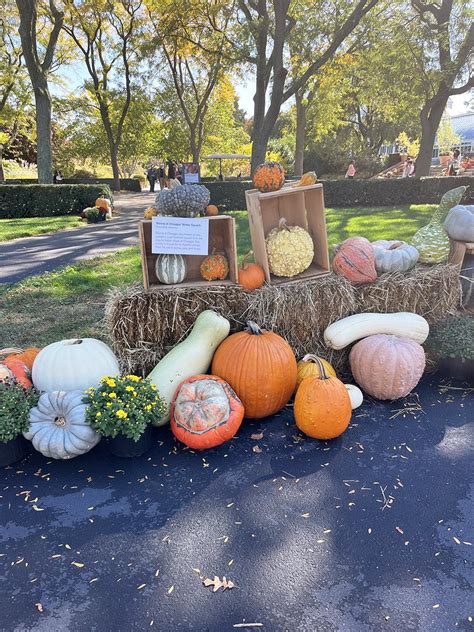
[
  {"x": 170, "y": 269},
  {"x": 432, "y": 241}
]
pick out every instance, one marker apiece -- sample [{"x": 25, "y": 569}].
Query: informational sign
[
  {"x": 191, "y": 173},
  {"x": 179, "y": 236}
]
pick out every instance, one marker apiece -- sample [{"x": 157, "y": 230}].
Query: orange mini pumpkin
[
  {"x": 214, "y": 267},
  {"x": 261, "y": 368},
  {"x": 322, "y": 406},
  {"x": 212, "y": 210},
  {"x": 205, "y": 412},
  {"x": 251, "y": 275},
  {"x": 269, "y": 176}
]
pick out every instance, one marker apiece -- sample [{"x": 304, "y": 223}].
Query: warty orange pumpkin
[
  {"x": 261, "y": 368},
  {"x": 269, "y": 176},
  {"x": 214, "y": 267}
]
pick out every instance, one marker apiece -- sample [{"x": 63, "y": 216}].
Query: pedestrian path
[{"x": 31, "y": 256}]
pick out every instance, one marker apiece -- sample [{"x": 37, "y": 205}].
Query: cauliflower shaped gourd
[
  {"x": 183, "y": 201},
  {"x": 290, "y": 250}
]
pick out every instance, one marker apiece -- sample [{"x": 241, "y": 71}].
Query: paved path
[
  {"x": 301, "y": 528},
  {"x": 31, "y": 256}
]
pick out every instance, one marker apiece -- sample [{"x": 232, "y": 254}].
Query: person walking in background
[
  {"x": 151, "y": 177},
  {"x": 161, "y": 175},
  {"x": 351, "y": 170},
  {"x": 407, "y": 167},
  {"x": 171, "y": 170},
  {"x": 455, "y": 163},
  {"x": 57, "y": 177}
]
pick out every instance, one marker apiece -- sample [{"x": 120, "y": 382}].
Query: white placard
[{"x": 179, "y": 236}]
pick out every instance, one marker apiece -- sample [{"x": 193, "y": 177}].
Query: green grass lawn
[
  {"x": 73, "y": 298},
  {"x": 30, "y": 226}
]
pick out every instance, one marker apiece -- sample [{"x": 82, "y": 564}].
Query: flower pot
[
  {"x": 12, "y": 451},
  {"x": 125, "y": 447},
  {"x": 457, "y": 369}
]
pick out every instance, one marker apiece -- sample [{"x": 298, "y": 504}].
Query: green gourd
[{"x": 432, "y": 241}]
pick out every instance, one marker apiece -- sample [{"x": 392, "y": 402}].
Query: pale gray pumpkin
[
  {"x": 58, "y": 428},
  {"x": 183, "y": 201},
  {"x": 459, "y": 224},
  {"x": 170, "y": 269},
  {"x": 394, "y": 256}
]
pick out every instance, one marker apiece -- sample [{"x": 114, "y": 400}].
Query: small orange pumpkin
[
  {"x": 103, "y": 203},
  {"x": 27, "y": 355},
  {"x": 322, "y": 406},
  {"x": 269, "y": 176},
  {"x": 212, "y": 210},
  {"x": 261, "y": 368},
  {"x": 309, "y": 367},
  {"x": 205, "y": 412},
  {"x": 214, "y": 267},
  {"x": 251, "y": 275}
]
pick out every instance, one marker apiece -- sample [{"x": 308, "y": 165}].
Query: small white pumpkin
[
  {"x": 75, "y": 364},
  {"x": 394, "y": 256},
  {"x": 58, "y": 428},
  {"x": 170, "y": 269},
  {"x": 355, "y": 394}
]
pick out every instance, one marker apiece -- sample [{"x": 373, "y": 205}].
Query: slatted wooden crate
[
  {"x": 221, "y": 241},
  {"x": 301, "y": 206}
]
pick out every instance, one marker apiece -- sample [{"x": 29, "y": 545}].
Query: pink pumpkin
[{"x": 387, "y": 367}]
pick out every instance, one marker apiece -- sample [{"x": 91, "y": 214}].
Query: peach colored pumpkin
[
  {"x": 355, "y": 260},
  {"x": 387, "y": 367}
]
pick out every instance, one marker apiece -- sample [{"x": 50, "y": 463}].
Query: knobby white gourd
[
  {"x": 355, "y": 394},
  {"x": 190, "y": 357},
  {"x": 347, "y": 330}
]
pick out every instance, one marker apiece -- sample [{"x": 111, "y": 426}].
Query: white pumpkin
[
  {"x": 78, "y": 363},
  {"x": 58, "y": 428},
  {"x": 394, "y": 256},
  {"x": 355, "y": 394}
]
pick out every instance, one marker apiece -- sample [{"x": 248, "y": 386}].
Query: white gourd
[
  {"x": 355, "y": 395},
  {"x": 347, "y": 330},
  {"x": 190, "y": 357}
]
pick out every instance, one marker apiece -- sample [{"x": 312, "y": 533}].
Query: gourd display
[
  {"x": 290, "y": 249},
  {"x": 251, "y": 275},
  {"x": 347, "y": 330},
  {"x": 394, "y": 256},
  {"x": 74, "y": 364},
  {"x": 269, "y": 176},
  {"x": 170, "y": 269},
  {"x": 183, "y": 201},
  {"x": 309, "y": 365},
  {"x": 150, "y": 212},
  {"x": 355, "y": 394},
  {"x": 58, "y": 428},
  {"x": 27, "y": 355},
  {"x": 190, "y": 357},
  {"x": 355, "y": 260},
  {"x": 322, "y": 406},
  {"x": 387, "y": 367},
  {"x": 14, "y": 370},
  {"x": 306, "y": 180},
  {"x": 212, "y": 210},
  {"x": 459, "y": 223},
  {"x": 214, "y": 267},
  {"x": 432, "y": 241},
  {"x": 103, "y": 203},
  {"x": 261, "y": 368},
  {"x": 205, "y": 412}
]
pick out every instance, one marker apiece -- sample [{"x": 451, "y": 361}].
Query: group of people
[{"x": 163, "y": 173}]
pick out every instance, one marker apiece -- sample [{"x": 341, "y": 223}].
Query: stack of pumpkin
[{"x": 101, "y": 211}]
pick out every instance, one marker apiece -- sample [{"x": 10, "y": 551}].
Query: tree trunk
[
  {"x": 2, "y": 172},
  {"x": 43, "y": 134},
  {"x": 115, "y": 167},
  {"x": 430, "y": 117},
  {"x": 300, "y": 133}
]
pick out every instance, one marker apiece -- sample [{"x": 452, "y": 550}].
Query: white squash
[
  {"x": 355, "y": 394},
  {"x": 347, "y": 330},
  {"x": 190, "y": 357},
  {"x": 74, "y": 364}
]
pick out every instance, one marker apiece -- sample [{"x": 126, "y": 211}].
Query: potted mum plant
[
  {"x": 452, "y": 341},
  {"x": 121, "y": 409},
  {"x": 15, "y": 405}
]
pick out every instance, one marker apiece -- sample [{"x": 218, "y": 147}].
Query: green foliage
[
  {"x": 43, "y": 200},
  {"x": 454, "y": 338},
  {"x": 447, "y": 137},
  {"x": 123, "y": 405},
  {"x": 15, "y": 405}
]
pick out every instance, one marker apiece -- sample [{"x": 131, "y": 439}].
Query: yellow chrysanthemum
[
  {"x": 112, "y": 395},
  {"x": 98, "y": 415},
  {"x": 109, "y": 404},
  {"x": 121, "y": 414},
  {"x": 111, "y": 383},
  {"x": 148, "y": 407},
  {"x": 133, "y": 378},
  {"x": 130, "y": 388}
]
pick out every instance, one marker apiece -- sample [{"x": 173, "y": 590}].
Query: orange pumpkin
[
  {"x": 309, "y": 367},
  {"x": 15, "y": 370},
  {"x": 269, "y": 176},
  {"x": 212, "y": 210},
  {"x": 355, "y": 260},
  {"x": 251, "y": 275},
  {"x": 27, "y": 355},
  {"x": 103, "y": 203},
  {"x": 322, "y": 406},
  {"x": 214, "y": 267},
  {"x": 261, "y": 368},
  {"x": 205, "y": 412}
]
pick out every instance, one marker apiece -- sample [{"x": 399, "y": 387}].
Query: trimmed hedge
[
  {"x": 348, "y": 193},
  {"x": 45, "y": 200},
  {"x": 126, "y": 184}
]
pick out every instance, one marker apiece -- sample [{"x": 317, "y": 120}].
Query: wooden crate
[
  {"x": 301, "y": 206},
  {"x": 221, "y": 239}
]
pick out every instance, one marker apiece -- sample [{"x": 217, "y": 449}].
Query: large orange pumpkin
[
  {"x": 27, "y": 355},
  {"x": 269, "y": 176},
  {"x": 309, "y": 365},
  {"x": 205, "y": 412},
  {"x": 251, "y": 275},
  {"x": 355, "y": 260},
  {"x": 214, "y": 267},
  {"x": 322, "y": 406},
  {"x": 261, "y": 368}
]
